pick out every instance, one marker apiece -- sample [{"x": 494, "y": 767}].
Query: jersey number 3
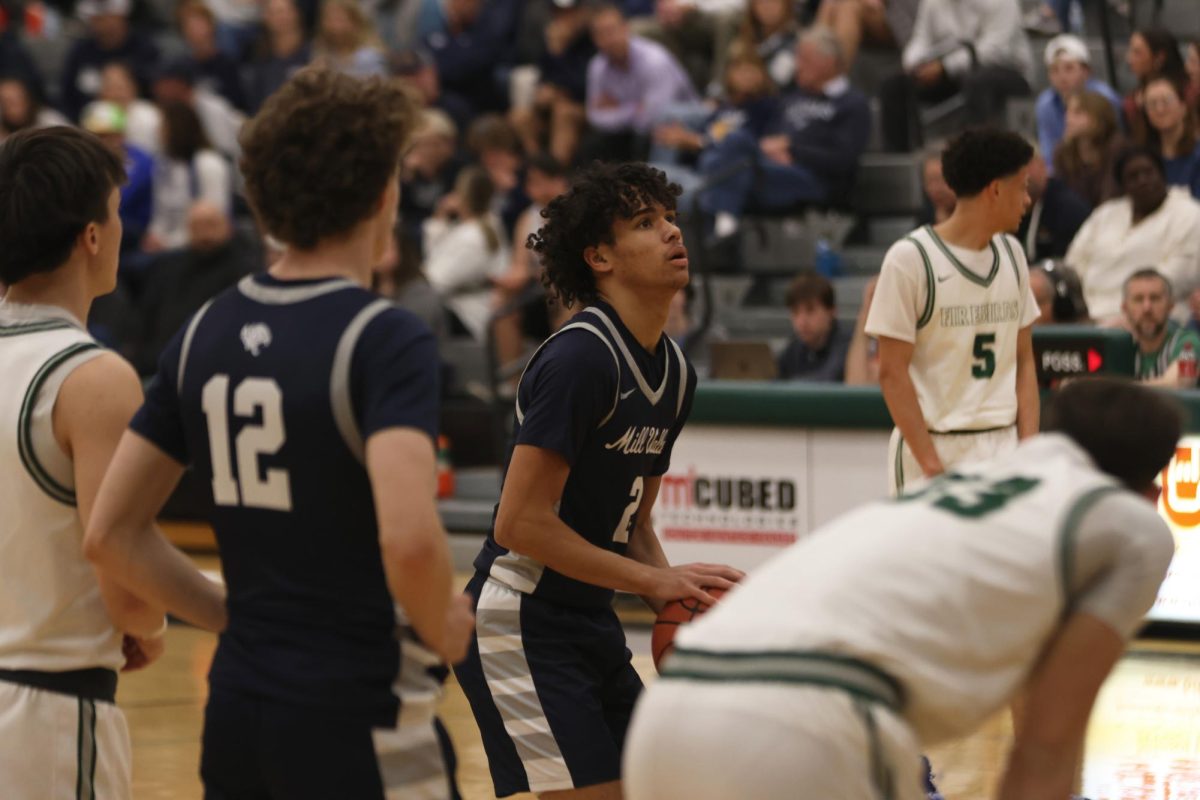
[{"x": 271, "y": 489}]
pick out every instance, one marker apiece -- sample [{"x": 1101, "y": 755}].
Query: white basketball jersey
[
  {"x": 963, "y": 312},
  {"x": 953, "y": 591},
  {"x": 52, "y": 617}
]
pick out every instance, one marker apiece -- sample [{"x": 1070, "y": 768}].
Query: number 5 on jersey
[
  {"x": 984, "y": 342},
  {"x": 271, "y": 490}
]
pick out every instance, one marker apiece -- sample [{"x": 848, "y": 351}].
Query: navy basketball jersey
[
  {"x": 269, "y": 393},
  {"x": 593, "y": 394}
]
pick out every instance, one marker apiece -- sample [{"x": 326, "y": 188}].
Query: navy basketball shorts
[
  {"x": 552, "y": 688},
  {"x": 255, "y": 748}
]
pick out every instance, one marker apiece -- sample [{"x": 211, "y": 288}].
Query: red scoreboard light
[{"x": 1066, "y": 351}]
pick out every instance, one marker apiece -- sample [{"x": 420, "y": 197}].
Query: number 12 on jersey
[{"x": 271, "y": 490}]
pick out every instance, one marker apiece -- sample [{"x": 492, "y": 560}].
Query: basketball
[{"x": 674, "y": 614}]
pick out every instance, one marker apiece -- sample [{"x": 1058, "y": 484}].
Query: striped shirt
[{"x": 1147, "y": 366}]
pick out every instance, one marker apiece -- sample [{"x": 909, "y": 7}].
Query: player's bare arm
[
  {"x": 125, "y": 544},
  {"x": 92, "y": 410},
  {"x": 900, "y": 394},
  {"x": 1029, "y": 403},
  {"x": 528, "y": 523},
  {"x": 416, "y": 556},
  {"x": 1058, "y": 702}
]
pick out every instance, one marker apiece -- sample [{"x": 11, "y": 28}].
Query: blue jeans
[{"x": 778, "y": 186}]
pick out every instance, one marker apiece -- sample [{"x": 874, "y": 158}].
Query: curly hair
[
  {"x": 321, "y": 151},
  {"x": 584, "y": 217},
  {"x": 978, "y": 156}
]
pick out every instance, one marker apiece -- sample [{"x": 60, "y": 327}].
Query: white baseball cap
[{"x": 1067, "y": 46}]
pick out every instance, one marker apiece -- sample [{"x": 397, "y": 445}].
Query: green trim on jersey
[
  {"x": 34, "y": 327},
  {"x": 806, "y": 667},
  {"x": 25, "y": 425},
  {"x": 1070, "y": 530},
  {"x": 927, "y": 313},
  {"x": 1152, "y": 365},
  {"x": 961, "y": 267},
  {"x": 898, "y": 467},
  {"x": 1012, "y": 260},
  {"x": 85, "y": 751}
]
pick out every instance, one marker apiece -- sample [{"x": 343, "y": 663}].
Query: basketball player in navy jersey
[
  {"x": 311, "y": 406},
  {"x": 598, "y": 409}
]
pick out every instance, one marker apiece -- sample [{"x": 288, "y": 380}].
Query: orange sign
[{"x": 1180, "y": 481}]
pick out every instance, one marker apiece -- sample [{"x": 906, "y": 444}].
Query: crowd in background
[{"x": 747, "y": 104}]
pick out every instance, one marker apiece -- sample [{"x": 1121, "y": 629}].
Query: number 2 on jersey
[
  {"x": 271, "y": 490},
  {"x": 984, "y": 342},
  {"x": 629, "y": 518}
]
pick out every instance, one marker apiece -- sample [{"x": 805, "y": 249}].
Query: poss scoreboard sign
[{"x": 1068, "y": 351}]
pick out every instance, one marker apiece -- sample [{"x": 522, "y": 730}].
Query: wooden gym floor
[{"x": 1144, "y": 741}]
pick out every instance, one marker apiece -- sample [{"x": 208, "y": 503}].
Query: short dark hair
[
  {"x": 978, "y": 156},
  {"x": 321, "y": 152},
  {"x": 1147, "y": 272},
  {"x": 1131, "y": 152},
  {"x": 546, "y": 164},
  {"x": 810, "y": 287},
  {"x": 584, "y": 217},
  {"x": 54, "y": 182},
  {"x": 1130, "y": 431}
]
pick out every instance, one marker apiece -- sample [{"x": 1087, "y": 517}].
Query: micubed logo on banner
[
  {"x": 727, "y": 508},
  {"x": 1179, "y": 504}
]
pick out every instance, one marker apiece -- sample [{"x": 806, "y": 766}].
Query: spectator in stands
[
  {"x": 811, "y": 151},
  {"x": 747, "y": 102},
  {"x": 429, "y": 170},
  {"x": 109, "y": 122},
  {"x": 20, "y": 108},
  {"x": 109, "y": 38},
  {"x": 179, "y": 282},
  {"x": 862, "y": 357},
  {"x": 464, "y": 250},
  {"x": 545, "y": 179},
  {"x": 1068, "y": 65},
  {"x": 695, "y": 31},
  {"x": 886, "y": 23},
  {"x": 17, "y": 64},
  {"x": 189, "y": 170},
  {"x": 472, "y": 52},
  {"x": 1055, "y": 214},
  {"x": 281, "y": 51},
  {"x": 1170, "y": 130},
  {"x": 1152, "y": 52},
  {"x": 1149, "y": 224},
  {"x": 1192, "y": 65},
  {"x": 1091, "y": 141},
  {"x": 818, "y": 350},
  {"x": 347, "y": 41},
  {"x": 630, "y": 81},
  {"x": 1043, "y": 292},
  {"x": 176, "y": 83},
  {"x": 973, "y": 47},
  {"x": 940, "y": 199},
  {"x": 415, "y": 68},
  {"x": 769, "y": 28},
  {"x": 215, "y": 70},
  {"x": 1147, "y": 303},
  {"x": 143, "y": 120},
  {"x": 555, "y": 120},
  {"x": 497, "y": 148}
]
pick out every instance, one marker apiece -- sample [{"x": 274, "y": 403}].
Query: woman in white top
[
  {"x": 189, "y": 170},
  {"x": 1148, "y": 225},
  {"x": 143, "y": 121},
  {"x": 465, "y": 250}
]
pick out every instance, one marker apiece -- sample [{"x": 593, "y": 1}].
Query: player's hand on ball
[
  {"x": 691, "y": 580},
  {"x": 460, "y": 624},
  {"x": 141, "y": 653}
]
